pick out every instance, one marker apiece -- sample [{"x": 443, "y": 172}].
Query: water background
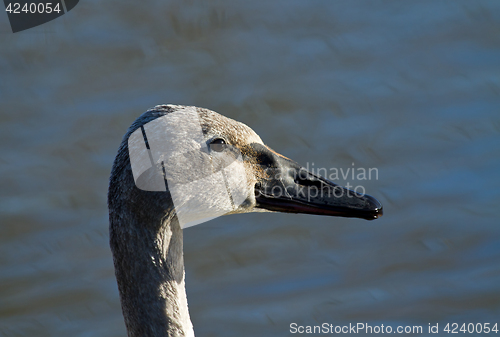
[{"x": 409, "y": 88}]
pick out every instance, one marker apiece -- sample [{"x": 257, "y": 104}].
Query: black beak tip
[{"x": 375, "y": 207}]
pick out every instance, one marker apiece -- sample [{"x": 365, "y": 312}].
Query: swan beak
[{"x": 287, "y": 187}]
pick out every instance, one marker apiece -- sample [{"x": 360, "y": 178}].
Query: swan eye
[{"x": 218, "y": 145}]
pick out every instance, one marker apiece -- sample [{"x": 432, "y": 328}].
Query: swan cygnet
[{"x": 211, "y": 166}]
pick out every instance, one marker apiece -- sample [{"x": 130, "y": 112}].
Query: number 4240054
[
  {"x": 33, "y": 8},
  {"x": 471, "y": 328}
]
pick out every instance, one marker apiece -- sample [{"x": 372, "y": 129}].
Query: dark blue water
[{"x": 412, "y": 89}]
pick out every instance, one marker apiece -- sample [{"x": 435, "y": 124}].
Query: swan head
[{"x": 212, "y": 165}]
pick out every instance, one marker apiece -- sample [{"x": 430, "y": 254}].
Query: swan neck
[{"x": 149, "y": 268}]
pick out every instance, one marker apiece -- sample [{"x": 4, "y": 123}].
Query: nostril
[{"x": 308, "y": 182}]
